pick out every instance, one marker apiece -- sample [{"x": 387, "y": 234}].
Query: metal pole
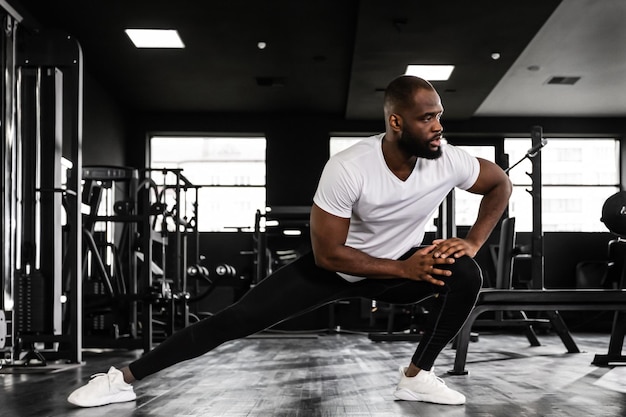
[{"x": 537, "y": 261}]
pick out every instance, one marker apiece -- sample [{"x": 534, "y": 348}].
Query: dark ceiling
[{"x": 329, "y": 57}]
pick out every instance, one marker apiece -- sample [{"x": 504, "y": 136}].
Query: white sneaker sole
[
  {"x": 118, "y": 398},
  {"x": 407, "y": 395}
]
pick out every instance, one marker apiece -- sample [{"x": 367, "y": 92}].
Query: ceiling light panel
[
  {"x": 155, "y": 38},
  {"x": 430, "y": 72}
]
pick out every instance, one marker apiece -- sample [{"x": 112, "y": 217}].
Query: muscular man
[{"x": 367, "y": 226}]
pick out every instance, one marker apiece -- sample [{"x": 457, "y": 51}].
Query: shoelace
[
  {"x": 440, "y": 380},
  {"x": 93, "y": 377},
  {"x": 97, "y": 375},
  {"x": 436, "y": 378}
]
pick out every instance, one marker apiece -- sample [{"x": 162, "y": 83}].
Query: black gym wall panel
[{"x": 103, "y": 126}]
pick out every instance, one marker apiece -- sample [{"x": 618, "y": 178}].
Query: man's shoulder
[{"x": 361, "y": 149}]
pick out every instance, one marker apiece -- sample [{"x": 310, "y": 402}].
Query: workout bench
[
  {"x": 505, "y": 298},
  {"x": 550, "y": 301}
]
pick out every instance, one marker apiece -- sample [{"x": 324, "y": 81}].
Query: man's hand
[
  {"x": 423, "y": 265},
  {"x": 454, "y": 247}
]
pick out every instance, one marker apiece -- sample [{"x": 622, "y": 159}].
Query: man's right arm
[{"x": 328, "y": 239}]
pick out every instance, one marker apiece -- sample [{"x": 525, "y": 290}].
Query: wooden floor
[{"x": 340, "y": 375}]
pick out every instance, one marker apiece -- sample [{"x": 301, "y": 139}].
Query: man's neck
[{"x": 398, "y": 161}]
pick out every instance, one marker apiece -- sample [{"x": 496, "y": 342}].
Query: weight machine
[
  {"x": 42, "y": 110},
  {"x": 51, "y": 249},
  {"x": 135, "y": 257},
  {"x": 141, "y": 263}
]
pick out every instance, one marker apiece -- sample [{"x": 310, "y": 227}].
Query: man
[{"x": 367, "y": 224}]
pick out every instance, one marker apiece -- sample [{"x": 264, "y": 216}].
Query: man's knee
[{"x": 466, "y": 275}]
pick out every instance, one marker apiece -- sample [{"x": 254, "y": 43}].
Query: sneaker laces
[
  {"x": 434, "y": 379},
  {"x": 94, "y": 378}
]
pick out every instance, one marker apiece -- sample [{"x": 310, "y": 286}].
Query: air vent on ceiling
[{"x": 561, "y": 80}]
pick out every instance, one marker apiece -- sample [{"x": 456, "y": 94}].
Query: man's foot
[
  {"x": 103, "y": 389},
  {"x": 427, "y": 387}
]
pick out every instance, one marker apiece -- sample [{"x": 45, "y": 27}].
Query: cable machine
[
  {"x": 42, "y": 112},
  {"x": 141, "y": 262}
]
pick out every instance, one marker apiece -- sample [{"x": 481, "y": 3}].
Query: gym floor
[{"x": 338, "y": 375}]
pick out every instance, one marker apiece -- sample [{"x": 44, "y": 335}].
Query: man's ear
[{"x": 395, "y": 121}]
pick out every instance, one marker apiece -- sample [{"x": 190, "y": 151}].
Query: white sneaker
[
  {"x": 103, "y": 389},
  {"x": 427, "y": 387}
]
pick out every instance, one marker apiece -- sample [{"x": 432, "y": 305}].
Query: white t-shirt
[{"x": 388, "y": 215}]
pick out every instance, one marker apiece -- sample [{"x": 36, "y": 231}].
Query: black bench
[{"x": 549, "y": 301}]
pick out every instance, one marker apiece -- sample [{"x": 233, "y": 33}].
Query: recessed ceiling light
[
  {"x": 155, "y": 38},
  {"x": 430, "y": 72},
  {"x": 289, "y": 232}
]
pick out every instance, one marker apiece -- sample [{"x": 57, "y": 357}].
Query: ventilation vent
[
  {"x": 271, "y": 81},
  {"x": 563, "y": 80}
]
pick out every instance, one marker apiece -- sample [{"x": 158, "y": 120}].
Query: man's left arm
[{"x": 495, "y": 187}]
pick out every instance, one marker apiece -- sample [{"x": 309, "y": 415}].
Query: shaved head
[{"x": 400, "y": 93}]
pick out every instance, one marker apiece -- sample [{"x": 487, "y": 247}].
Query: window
[
  {"x": 465, "y": 203},
  {"x": 339, "y": 143},
  {"x": 229, "y": 173},
  {"x": 578, "y": 175}
]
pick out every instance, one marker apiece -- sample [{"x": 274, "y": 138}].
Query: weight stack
[{"x": 30, "y": 304}]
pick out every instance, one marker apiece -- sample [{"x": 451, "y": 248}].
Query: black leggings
[{"x": 302, "y": 286}]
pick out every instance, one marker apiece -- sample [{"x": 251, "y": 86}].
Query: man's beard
[{"x": 415, "y": 147}]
